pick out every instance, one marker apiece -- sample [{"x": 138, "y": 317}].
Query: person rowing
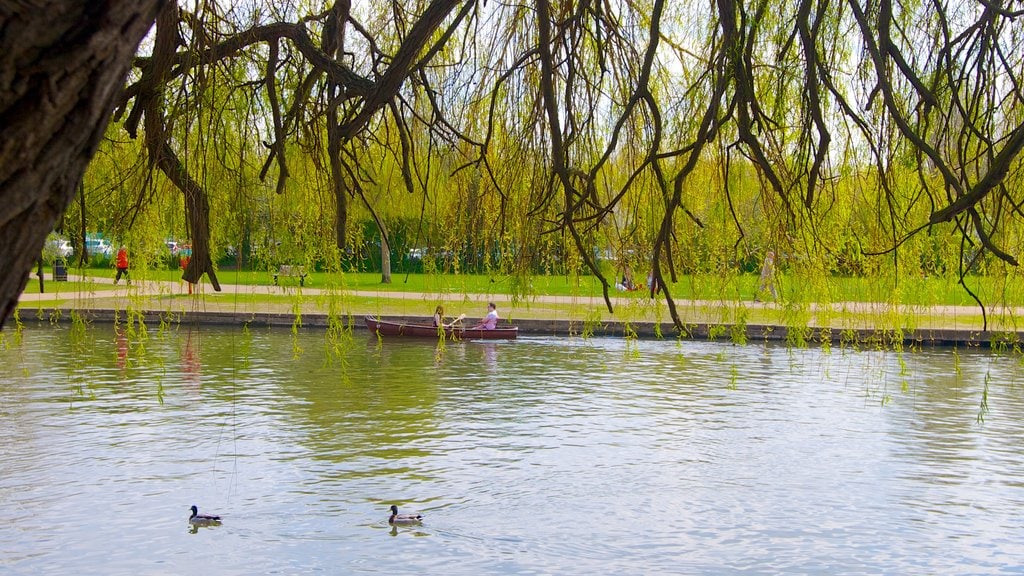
[{"x": 489, "y": 322}]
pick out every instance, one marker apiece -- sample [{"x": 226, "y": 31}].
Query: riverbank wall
[{"x": 747, "y": 333}]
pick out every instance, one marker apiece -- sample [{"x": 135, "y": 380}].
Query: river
[{"x": 535, "y": 456}]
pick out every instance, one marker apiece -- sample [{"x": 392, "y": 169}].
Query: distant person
[
  {"x": 767, "y": 283},
  {"x": 185, "y": 254},
  {"x": 439, "y": 316},
  {"x": 490, "y": 322},
  {"x": 122, "y": 265},
  {"x": 627, "y": 284},
  {"x": 652, "y": 283}
]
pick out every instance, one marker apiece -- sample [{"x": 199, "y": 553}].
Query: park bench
[{"x": 292, "y": 271}]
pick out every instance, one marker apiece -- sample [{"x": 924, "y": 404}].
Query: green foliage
[
  {"x": 460, "y": 173},
  {"x": 825, "y": 339},
  {"x": 983, "y": 407},
  {"x": 738, "y": 331},
  {"x": 592, "y": 321}
]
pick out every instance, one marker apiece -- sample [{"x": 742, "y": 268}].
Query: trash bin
[{"x": 60, "y": 270}]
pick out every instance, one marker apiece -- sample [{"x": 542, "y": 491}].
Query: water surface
[{"x": 537, "y": 456}]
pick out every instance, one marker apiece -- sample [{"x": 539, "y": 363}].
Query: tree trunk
[
  {"x": 197, "y": 209},
  {"x": 83, "y": 249},
  {"x": 62, "y": 64},
  {"x": 151, "y": 102},
  {"x": 385, "y": 259},
  {"x": 334, "y": 46},
  {"x": 337, "y": 180}
]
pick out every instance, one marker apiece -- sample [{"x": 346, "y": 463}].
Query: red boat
[{"x": 385, "y": 328}]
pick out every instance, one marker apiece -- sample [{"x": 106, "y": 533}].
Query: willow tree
[
  {"x": 803, "y": 92},
  {"x": 187, "y": 47},
  {"x": 784, "y": 87},
  {"x": 604, "y": 102}
]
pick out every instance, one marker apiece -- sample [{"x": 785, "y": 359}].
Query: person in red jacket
[{"x": 122, "y": 265}]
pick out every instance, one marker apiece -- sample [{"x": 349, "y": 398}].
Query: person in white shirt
[{"x": 490, "y": 322}]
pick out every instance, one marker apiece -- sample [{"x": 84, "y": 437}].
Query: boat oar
[{"x": 452, "y": 323}]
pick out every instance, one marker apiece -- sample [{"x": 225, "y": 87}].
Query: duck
[
  {"x": 397, "y": 519},
  {"x": 203, "y": 519}
]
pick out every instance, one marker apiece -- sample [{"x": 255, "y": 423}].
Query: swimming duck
[
  {"x": 400, "y": 519},
  {"x": 203, "y": 519}
]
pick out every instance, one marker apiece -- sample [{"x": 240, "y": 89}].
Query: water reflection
[
  {"x": 694, "y": 457},
  {"x": 408, "y": 531},
  {"x": 191, "y": 365},
  {"x": 194, "y": 528},
  {"x": 121, "y": 343},
  {"x": 490, "y": 359}
]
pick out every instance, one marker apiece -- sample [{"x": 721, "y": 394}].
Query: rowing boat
[{"x": 386, "y": 328}]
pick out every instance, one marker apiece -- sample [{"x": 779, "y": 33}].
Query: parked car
[
  {"x": 57, "y": 247},
  {"x": 63, "y": 248},
  {"x": 98, "y": 247}
]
